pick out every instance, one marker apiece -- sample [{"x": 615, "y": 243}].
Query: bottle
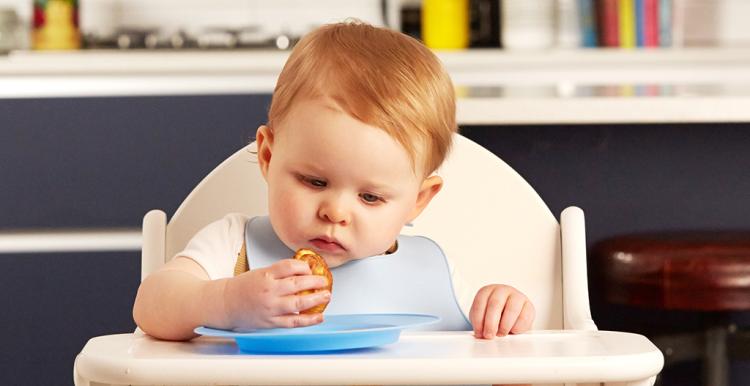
[
  {"x": 55, "y": 25},
  {"x": 445, "y": 24},
  {"x": 484, "y": 23}
]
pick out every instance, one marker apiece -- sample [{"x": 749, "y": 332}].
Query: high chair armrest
[
  {"x": 154, "y": 241},
  {"x": 576, "y": 310}
]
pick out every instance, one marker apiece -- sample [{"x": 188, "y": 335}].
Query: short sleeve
[{"x": 215, "y": 247}]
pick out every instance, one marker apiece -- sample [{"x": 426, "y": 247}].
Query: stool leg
[
  {"x": 642, "y": 382},
  {"x": 716, "y": 363}
]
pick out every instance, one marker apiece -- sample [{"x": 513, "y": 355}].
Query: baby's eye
[
  {"x": 316, "y": 182},
  {"x": 370, "y": 198}
]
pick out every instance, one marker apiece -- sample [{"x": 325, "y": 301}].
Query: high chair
[{"x": 493, "y": 227}]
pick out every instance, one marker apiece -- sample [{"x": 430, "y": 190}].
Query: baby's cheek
[
  {"x": 288, "y": 214},
  {"x": 281, "y": 205},
  {"x": 285, "y": 203},
  {"x": 381, "y": 239}
]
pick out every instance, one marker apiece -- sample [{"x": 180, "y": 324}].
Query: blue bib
[{"x": 414, "y": 279}]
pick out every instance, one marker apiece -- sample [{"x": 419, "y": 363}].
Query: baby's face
[{"x": 336, "y": 185}]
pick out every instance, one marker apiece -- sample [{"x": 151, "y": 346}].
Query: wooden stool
[{"x": 685, "y": 271}]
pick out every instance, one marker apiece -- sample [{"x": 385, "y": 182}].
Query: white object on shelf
[
  {"x": 567, "y": 24},
  {"x": 527, "y": 24}
]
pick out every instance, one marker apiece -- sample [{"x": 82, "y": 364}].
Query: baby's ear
[
  {"x": 264, "y": 141},
  {"x": 430, "y": 187}
]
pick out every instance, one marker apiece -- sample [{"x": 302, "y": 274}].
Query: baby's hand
[
  {"x": 499, "y": 310},
  {"x": 266, "y": 297}
]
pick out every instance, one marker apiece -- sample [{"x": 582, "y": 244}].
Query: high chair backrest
[{"x": 492, "y": 225}]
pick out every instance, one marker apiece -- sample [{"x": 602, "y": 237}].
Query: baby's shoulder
[
  {"x": 230, "y": 224},
  {"x": 235, "y": 220}
]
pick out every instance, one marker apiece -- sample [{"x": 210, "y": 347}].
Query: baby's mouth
[{"x": 325, "y": 244}]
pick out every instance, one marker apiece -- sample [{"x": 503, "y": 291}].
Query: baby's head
[
  {"x": 360, "y": 118},
  {"x": 378, "y": 76}
]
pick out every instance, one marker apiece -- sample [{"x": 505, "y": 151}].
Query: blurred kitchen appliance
[
  {"x": 220, "y": 24},
  {"x": 209, "y": 38}
]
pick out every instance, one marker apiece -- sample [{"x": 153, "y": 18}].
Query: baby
[{"x": 360, "y": 119}]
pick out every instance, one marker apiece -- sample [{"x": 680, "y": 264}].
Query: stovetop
[{"x": 248, "y": 37}]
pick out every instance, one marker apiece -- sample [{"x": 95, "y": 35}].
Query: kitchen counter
[{"x": 493, "y": 86}]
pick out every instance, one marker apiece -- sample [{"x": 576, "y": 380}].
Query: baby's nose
[{"x": 335, "y": 211}]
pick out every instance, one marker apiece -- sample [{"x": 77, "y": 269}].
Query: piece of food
[{"x": 319, "y": 267}]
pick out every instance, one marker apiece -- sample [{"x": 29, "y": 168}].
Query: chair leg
[{"x": 716, "y": 362}]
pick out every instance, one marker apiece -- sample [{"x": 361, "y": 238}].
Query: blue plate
[{"x": 337, "y": 332}]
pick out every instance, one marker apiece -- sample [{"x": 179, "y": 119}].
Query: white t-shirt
[{"x": 216, "y": 246}]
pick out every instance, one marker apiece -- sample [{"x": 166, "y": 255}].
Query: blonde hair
[{"x": 381, "y": 77}]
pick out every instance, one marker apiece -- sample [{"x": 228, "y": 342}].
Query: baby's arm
[
  {"x": 499, "y": 310},
  {"x": 179, "y": 297}
]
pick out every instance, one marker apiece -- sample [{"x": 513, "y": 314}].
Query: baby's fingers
[
  {"x": 495, "y": 305},
  {"x": 297, "y": 320},
  {"x": 295, "y": 303},
  {"x": 288, "y": 267},
  {"x": 478, "y": 308},
  {"x": 293, "y": 284},
  {"x": 510, "y": 314},
  {"x": 525, "y": 320}
]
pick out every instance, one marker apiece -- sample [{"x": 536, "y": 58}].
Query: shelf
[{"x": 493, "y": 86}]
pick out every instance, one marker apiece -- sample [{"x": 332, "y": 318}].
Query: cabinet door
[{"x": 103, "y": 162}]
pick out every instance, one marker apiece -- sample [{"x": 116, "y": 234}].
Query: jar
[
  {"x": 56, "y": 25},
  {"x": 10, "y": 27}
]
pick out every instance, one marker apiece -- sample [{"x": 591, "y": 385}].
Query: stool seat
[{"x": 692, "y": 271}]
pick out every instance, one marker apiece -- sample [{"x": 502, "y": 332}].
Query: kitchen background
[{"x": 90, "y": 142}]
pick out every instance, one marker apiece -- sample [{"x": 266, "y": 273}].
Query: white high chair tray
[{"x": 417, "y": 358}]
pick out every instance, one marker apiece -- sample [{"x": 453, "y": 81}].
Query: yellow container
[
  {"x": 627, "y": 23},
  {"x": 56, "y": 25},
  {"x": 445, "y": 24}
]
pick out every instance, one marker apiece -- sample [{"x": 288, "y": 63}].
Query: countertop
[{"x": 493, "y": 86}]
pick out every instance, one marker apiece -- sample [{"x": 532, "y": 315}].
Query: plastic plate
[{"x": 337, "y": 332}]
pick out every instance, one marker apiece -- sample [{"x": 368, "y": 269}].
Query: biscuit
[{"x": 319, "y": 267}]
